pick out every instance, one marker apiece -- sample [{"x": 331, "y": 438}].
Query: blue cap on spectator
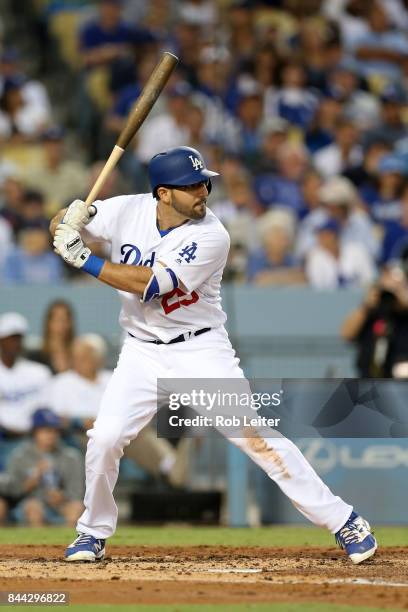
[
  {"x": 329, "y": 226},
  {"x": 44, "y": 417},
  {"x": 393, "y": 163},
  {"x": 53, "y": 133}
]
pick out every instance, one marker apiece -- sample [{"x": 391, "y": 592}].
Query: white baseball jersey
[
  {"x": 21, "y": 393},
  {"x": 196, "y": 251},
  {"x": 73, "y": 396}
]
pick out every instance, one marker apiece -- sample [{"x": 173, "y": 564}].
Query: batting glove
[
  {"x": 79, "y": 214},
  {"x": 69, "y": 244}
]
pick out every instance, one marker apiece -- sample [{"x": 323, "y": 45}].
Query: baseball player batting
[{"x": 167, "y": 257}]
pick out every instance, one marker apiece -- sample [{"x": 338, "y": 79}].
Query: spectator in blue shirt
[
  {"x": 250, "y": 116},
  {"x": 32, "y": 261},
  {"x": 285, "y": 186},
  {"x": 320, "y": 133},
  {"x": 109, "y": 37},
  {"x": 384, "y": 200},
  {"x": 294, "y": 101}
]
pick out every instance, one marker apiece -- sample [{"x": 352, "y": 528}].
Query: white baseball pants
[{"x": 130, "y": 402}]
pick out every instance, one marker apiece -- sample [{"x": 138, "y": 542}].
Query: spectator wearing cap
[
  {"x": 384, "y": 199},
  {"x": 46, "y": 476},
  {"x": 342, "y": 204},
  {"x": 274, "y": 263},
  {"x": 339, "y": 202},
  {"x": 284, "y": 187},
  {"x": 58, "y": 177},
  {"x": 382, "y": 50},
  {"x": 32, "y": 261},
  {"x": 331, "y": 264},
  {"x": 169, "y": 129},
  {"x": 345, "y": 152},
  {"x": 21, "y": 120},
  {"x": 22, "y": 382}
]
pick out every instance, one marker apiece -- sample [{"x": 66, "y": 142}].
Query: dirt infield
[{"x": 206, "y": 574}]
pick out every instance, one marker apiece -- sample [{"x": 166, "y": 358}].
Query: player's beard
[{"x": 197, "y": 211}]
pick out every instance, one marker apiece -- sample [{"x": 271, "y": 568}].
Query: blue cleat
[
  {"x": 85, "y": 548},
  {"x": 356, "y": 539}
]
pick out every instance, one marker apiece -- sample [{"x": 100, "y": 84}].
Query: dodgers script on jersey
[{"x": 196, "y": 251}]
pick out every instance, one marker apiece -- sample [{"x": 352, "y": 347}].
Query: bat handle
[{"x": 113, "y": 159}]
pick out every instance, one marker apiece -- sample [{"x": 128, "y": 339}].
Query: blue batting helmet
[{"x": 178, "y": 167}]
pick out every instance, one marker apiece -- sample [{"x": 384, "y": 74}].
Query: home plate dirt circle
[{"x": 208, "y": 574}]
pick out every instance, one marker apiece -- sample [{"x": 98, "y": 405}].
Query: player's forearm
[{"x": 132, "y": 279}]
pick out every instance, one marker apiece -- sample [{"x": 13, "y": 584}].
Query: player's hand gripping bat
[{"x": 138, "y": 114}]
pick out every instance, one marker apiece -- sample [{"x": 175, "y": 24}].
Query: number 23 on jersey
[{"x": 171, "y": 301}]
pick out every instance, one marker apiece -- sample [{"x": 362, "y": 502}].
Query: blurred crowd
[
  {"x": 49, "y": 399},
  {"x": 300, "y": 105}
]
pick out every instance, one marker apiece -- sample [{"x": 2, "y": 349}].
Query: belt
[{"x": 180, "y": 338}]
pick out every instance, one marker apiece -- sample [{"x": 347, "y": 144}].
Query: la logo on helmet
[{"x": 197, "y": 163}]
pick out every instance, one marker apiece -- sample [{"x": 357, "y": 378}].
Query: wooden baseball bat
[{"x": 138, "y": 114}]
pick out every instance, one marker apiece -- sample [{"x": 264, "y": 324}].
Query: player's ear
[{"x": 164, "y": 194}]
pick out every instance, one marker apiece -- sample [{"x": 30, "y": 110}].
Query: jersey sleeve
[{"x": 198, "y": 258}]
